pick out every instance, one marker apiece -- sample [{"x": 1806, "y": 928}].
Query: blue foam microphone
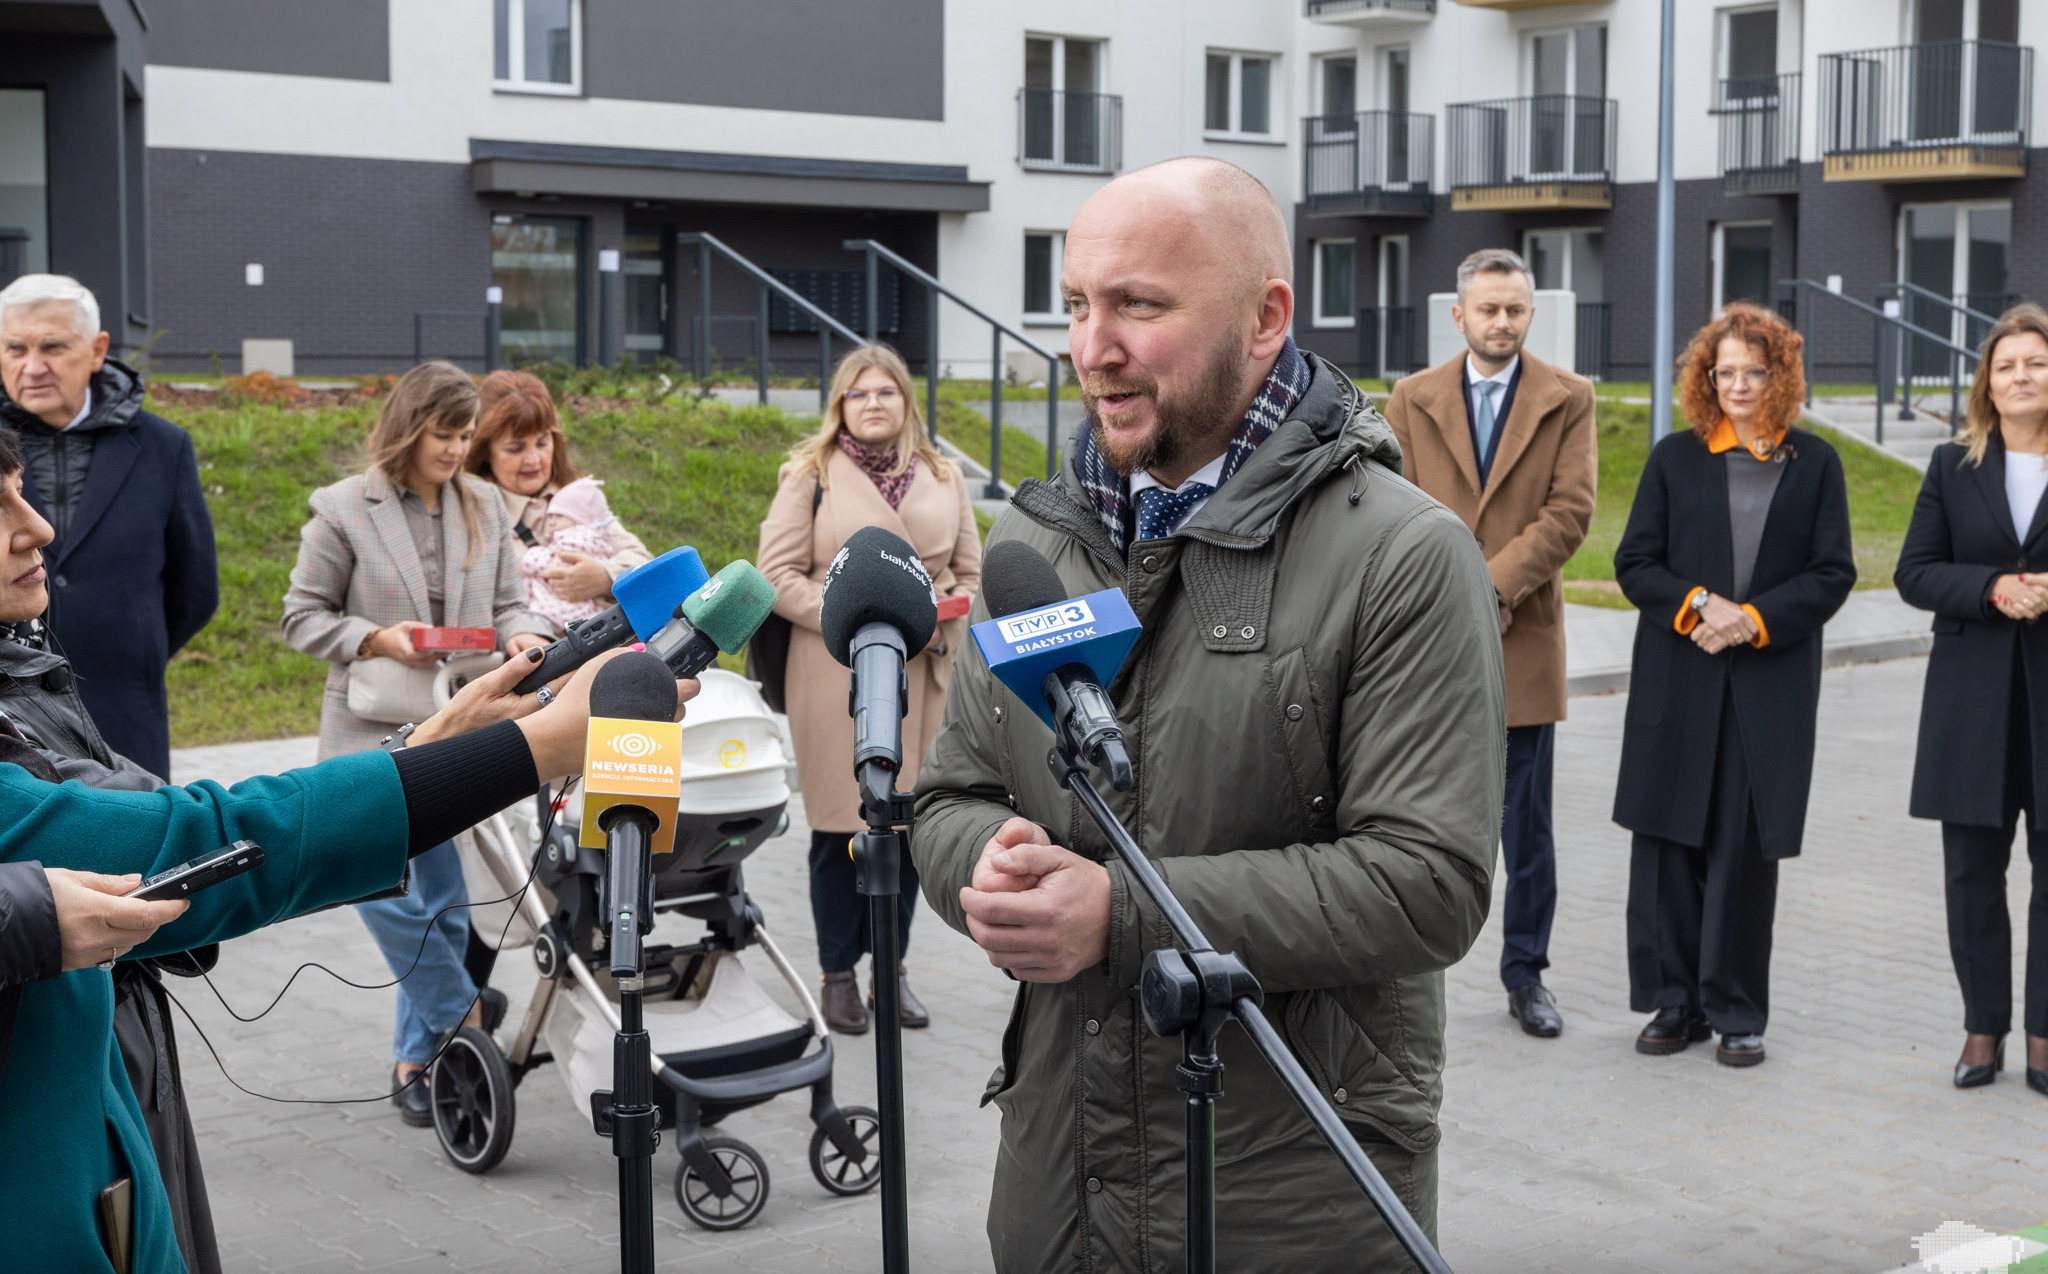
[
  {"x": 1055, "y": 652},
  {"x": 647, "y": 599}
]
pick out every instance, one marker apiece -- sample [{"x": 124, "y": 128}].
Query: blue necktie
[
  {"x": 1160, "y": 510},
  {"x": 1482, "y": 419}
]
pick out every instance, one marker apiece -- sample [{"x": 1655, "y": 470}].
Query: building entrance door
[
  {"x": 1959, "y": 251},
  {"x": 644, "y": 265},
  {"x": 24, "y": 184}
]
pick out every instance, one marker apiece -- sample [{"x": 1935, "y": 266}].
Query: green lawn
[
  {"x": 1881, "y": 494},
  {"x": 682, "y": 472}
]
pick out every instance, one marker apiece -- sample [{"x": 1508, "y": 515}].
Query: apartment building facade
[{"x": 354, "y": 175}]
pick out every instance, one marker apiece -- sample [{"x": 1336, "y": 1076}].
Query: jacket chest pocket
[{"x": 1298, "y": 716}]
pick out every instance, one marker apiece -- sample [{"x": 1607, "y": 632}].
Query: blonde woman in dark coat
[{"x": 411, "y": 542}]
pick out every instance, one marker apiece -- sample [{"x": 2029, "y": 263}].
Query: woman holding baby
[{"x": 520, "y": 449}]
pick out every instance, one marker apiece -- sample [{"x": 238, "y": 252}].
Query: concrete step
[{"x": 1909, "y": 441}]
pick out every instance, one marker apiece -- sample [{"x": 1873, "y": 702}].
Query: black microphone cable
[{"x": 533, "y": 867}]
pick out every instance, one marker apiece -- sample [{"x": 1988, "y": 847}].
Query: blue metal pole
[{"x": 1664, "y": 351}]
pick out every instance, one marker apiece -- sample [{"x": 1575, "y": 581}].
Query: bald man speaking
[{"x": 1315, "y": 714}]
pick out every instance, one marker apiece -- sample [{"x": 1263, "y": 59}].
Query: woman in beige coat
[
  {"x": 869, "y": 464},
  {"x": 410, "y": 543}
]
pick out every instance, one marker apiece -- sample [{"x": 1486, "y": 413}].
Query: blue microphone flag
[
  {"x": 650, "y": 592},
  {"x": 1096, "y": 630}
]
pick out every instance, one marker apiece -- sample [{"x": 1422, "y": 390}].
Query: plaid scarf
[
  {"x": 1110, "y": 492},
  {"x": 876, "y": 462}
]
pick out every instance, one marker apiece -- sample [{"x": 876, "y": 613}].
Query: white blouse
[{"x": 2026, "y": 477}]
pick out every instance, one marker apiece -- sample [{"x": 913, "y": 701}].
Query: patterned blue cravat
[{"x": 1160, "y": 510}]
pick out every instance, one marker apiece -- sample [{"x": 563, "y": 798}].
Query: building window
[
  {"x": 1742, "y": 263},
  {"x": 1335, "y": 266},
  {"x": 1238, "y": 97},
  {"x": 1067, "y": 122},
  {"x": 538, "y": 261},
  {"x": 538, "y": 45},
  {"x": 1042, "y": 300},
  {"x": 1337, "y": 87}
]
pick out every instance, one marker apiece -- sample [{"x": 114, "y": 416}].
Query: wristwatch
[
  {"x": 397, "y": 738},
  {"x": 1698, "y": 602}
]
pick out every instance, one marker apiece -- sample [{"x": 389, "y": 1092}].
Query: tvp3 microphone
[
  {"x": 877, "y": 613},
  {"x": 1055, "y": 652},
  {"x": 647, "y": 596},
  {"x": 720, "y": 615}
]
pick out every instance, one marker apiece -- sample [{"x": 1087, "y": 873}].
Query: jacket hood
[
  {"x": 1333, "y": 427},
  {"x": 117, "y": 394}
]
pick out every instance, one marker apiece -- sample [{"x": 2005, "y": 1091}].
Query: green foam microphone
[{"x": 721, "y": 615}]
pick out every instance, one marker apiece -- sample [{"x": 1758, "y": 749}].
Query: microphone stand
[
  {"x": 1194, "y": 993},
  {"x": 626, "y": 1112},
  {"x": 877, "y": 865}
]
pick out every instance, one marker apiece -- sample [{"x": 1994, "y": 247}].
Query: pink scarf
[{"x": 876, "y": 462}]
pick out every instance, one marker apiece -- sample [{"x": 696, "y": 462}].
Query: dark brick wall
[{"x": 353, "y": 249}]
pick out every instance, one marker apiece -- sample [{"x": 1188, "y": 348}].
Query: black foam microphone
[
  {"x": 1016, "y": 579},
  {"x": 878, "y": 612},
  {"x": 636, "y": 686}
]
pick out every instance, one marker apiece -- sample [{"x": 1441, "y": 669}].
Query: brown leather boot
[
  {"x": 843, "y": 1010},
  {"x": 909, "y": 1010}
]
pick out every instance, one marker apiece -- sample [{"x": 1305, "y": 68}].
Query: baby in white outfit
[{"x": 579, "y": 520}]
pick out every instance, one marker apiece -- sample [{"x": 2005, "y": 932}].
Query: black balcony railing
[
  {"x": 1374, "y": 161},
  {"x": 1593, "y": 356},
  {"x": 1389, "y": 341},
  {"x": 1759, "y": 132},
  {"x": 1936, "y": 96},
  {"x": 1519, "y": 140},
  {"x": 1345, "y": 8},
  {"x": 1069, "y": 132}
]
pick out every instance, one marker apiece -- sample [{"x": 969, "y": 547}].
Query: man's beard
[
  {"x": 1181, "y": 424},
  {"x": 1478, "y": 345}
]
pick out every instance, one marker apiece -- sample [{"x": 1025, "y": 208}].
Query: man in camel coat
[{"x": 1508, "y": 443}]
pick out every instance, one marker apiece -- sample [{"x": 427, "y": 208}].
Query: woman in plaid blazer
[{"x": 411, "y": 542}]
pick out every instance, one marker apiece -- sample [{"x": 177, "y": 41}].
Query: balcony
[
  {"x": 1066, "y": 132},
  {"x": 1374, "y": 163},
  {"x": 1941, "y": 111},
  {"x": 1527, "y": 154},
  {"x": 1369, "y": 13},
  {"x": 1759, "y": 117},
  {"x": 1509, "y": 6}
]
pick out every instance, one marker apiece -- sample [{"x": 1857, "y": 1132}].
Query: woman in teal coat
[{"x": 69, "y": 1123}]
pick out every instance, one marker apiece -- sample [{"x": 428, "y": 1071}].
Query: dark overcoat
[
  {"x": 1679, "y": 538},
  {"x": 1961, "y": 539},
  {"x": 134, "y": 577}
]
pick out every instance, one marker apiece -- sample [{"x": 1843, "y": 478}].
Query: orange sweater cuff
[
  {"x": 1763, "y": 634},
  {"x": 1688, "y": 618}
]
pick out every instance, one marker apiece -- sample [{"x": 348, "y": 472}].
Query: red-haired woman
[
  {"x": 1977, "y": 556},
  {"x": 520, "y": 448},
  {"x": 1737, "y": 551}
]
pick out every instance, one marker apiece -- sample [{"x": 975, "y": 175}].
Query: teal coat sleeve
[{"x": 69, "y": 1123}]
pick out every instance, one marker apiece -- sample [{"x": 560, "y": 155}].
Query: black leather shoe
[
  {"x": 910, "y": 1011},
  {"x": 493, "y": 1003},
  {"x": 1536, "y": 1009},
  {"x": 1740, "y": 1050},
  {"x": 1671, "y": 1030},
  {"x": 843, "y": 1010},
  {"x": 1968, "y": 1076},
  {"x": 415, "y": 1104},
  {"x": 2038, "y": 1081}
]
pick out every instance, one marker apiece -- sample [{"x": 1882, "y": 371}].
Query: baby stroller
[{"x": 720, "y": 1044}]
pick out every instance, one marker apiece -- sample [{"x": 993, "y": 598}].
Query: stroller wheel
[
  {"x": 702, "y": 1203},
  {"x": 837, "y": 1171},
  {"x": 472, "y": 1096}
]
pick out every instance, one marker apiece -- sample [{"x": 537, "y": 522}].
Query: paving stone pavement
[{"x": 1573, "y": 1154}]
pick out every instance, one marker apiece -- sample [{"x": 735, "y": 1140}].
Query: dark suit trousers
[
  {"x": 840, "y": 910},
  {"x": 1528, "y": 856},
  {"x": 1700, "y": 916},
  {"x": 1979, "y": 929}
]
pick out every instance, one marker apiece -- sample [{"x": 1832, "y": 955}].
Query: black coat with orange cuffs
[
  {"x": 1679, "y": 539},
  {"x": 1961, "y": 540}
]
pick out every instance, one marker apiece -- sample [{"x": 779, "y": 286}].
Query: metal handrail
[
  {"x": 706, "y": 244},
  {"x": 933, "y": 289},
  {"x": 1806, "y": 289},
  {"x": 1954, "y": 308}
]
